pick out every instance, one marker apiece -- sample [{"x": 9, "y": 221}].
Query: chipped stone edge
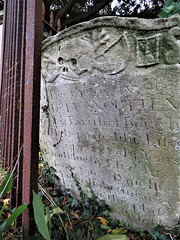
[{"x": 115, "y": 21}]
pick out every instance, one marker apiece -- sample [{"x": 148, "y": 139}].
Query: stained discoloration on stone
[{"x": 110, "y": 109}]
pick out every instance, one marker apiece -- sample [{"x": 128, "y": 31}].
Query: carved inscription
[{"x": 110, "y": 110}]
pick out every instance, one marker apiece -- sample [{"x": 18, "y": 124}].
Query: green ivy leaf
[
  {"x": 56, "y": 210},
  {"x": 105, "y": 227},
  {"x": 114, "y": 237},
  {"x": 163, "y": 237},
  {"x": 168, "y": 9},
  {"x": 119, "y": 231},
  {"x": 86, "y": 214}
]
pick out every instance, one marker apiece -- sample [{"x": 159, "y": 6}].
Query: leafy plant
[
  {"x": 84, "y": 218},
  {"x": 42, "y": 219},
  {"x": 96, "y": 213},
  {"x": 88, "y": 217},
  {"x": 114, "y": 237},
  {"x": 43, "y": 214},
  {"x": 170, "y": 8},
  {"x": 164, "y": 233},
  {"x": 5, "y": 187},
  {"x": 46, "y": 174},
  {"x": 17, "y": 212},
  {"x": 142, "y": 231}
]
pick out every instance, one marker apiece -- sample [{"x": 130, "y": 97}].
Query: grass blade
[{"x": 40, "y": 217}]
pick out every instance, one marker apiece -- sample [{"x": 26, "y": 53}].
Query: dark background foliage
[
  {"x": 142, "y": 9},
  {"x": 71, "y": 12},
  {"x": 74, "y": 11},
  {"x": 1, "y": 4}
]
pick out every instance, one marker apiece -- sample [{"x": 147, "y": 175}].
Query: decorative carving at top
[
  {"x": 147, "y": 51},
  {"x": 173, "y": 40},
  {"x": 103, "y": 53}
]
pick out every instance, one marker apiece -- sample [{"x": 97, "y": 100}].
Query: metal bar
[
  {"x": 51, "y": 23},
  {"x": 43, "y": 14},
  {"x": 20, "y": 73},
  {"x": 12, "y": 93},
  {"x": 31, "y": 108},
  {"x": 3, "y": 83},
  {"x": 58, "y": 24},
  {"x": 20, "y": 98},
  {"x": 7, "y": 83}
]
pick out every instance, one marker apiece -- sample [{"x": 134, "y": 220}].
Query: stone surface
[
  {"x": 1, "y": 26},
  {"x": 110, "y": 110}
]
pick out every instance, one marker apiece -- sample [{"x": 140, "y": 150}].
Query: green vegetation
[
  {"x": 1, "y": 17},
  {"x": 8, "y": 216},
  {"x": 87, "y": 217},
  {"x": 59, "y": 215},
  {"x": 163, "y": 233},
  {"x": 170, "y": 8},
  {"x": 84, "y": 218}
]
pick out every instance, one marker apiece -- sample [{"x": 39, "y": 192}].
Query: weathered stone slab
[{"x": 110, "y": 109}]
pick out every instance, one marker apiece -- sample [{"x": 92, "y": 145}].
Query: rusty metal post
[
  {"x": 4, "y": 76},
  {"x": 20, "y": 97},
  {"x": 43, "y": 14},
  {"x": 31, "y": 107},
  {"x": 59, "y": 24},
  {"x": 51, "y": 23}
]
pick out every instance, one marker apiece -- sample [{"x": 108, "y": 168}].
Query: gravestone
[{"x": 110, "y": 110}]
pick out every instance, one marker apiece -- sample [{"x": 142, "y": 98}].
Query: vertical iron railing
[
  {"x": 48, "y": 27},
  {"x": 20, "y": 97}
]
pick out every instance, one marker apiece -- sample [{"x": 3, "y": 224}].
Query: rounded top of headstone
[{"x": 115, "y": 21}]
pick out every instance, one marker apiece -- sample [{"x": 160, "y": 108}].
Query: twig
[
  {"x": 54, "y": 145},
  {"x": 169, "y": 235},
  {"x": 50, "y": 25},
  {"x": 169, "y": 229},
  {"x": 81, "y": 235}
]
